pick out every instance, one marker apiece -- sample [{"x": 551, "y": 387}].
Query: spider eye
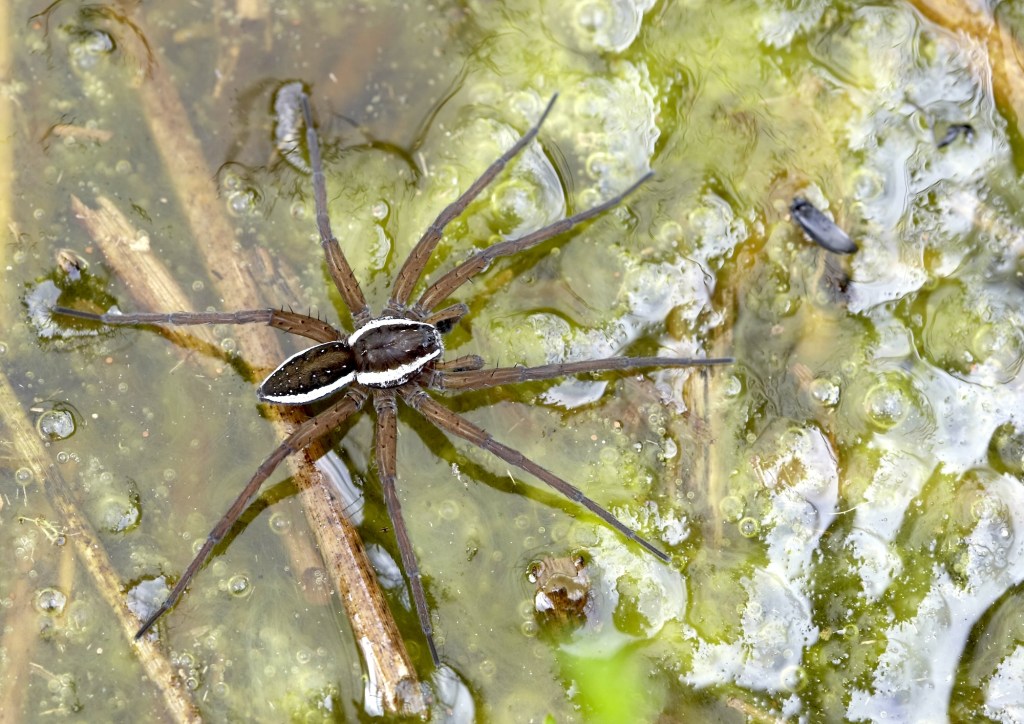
[{"x": 310, "y": 375}]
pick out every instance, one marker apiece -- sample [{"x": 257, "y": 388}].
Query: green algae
[{"x": 844, "y": 518}]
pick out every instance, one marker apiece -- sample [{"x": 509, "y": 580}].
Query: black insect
[
  {"x": 391, "y": 357},
  {"x": 954, "y": 131},
  {"x": 819, "y": 228}
]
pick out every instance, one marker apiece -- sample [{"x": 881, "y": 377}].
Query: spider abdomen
[
  {"x": 310, "y": 375},
  {"x": 388, "y": 351}
]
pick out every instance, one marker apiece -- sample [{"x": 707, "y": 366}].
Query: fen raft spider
[{"x": 396, "y": 355}]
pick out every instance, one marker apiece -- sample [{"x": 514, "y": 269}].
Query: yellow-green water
[{"x": 843, "y": 505}]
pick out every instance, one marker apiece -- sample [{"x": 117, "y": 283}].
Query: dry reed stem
[{"x": 78, "y": 532}]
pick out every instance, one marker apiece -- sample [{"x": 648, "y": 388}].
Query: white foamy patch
[
  {"x": 776, "y": 627},
  {"x": 1004, "y": 692},
  {"x": 918, "y": 669}
]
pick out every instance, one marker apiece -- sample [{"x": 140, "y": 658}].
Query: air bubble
[
  {"x": 97, "y": 42},
  {"x": 606, "y": 24},
  {"x": 298, "y": 211},
  {"x": 886, "y": 405},
  {"x": 793, "y": 678},
  {"x": 600, "y": 165},
  {"x": 239, "y": 586},
  {"x": 669, "y": 233},
  {"x": 1000, "y": 346},
  {"x": 449, "y": 509},
  {"x": 280, "y": 523},
  {"x": 869, "y": 184},
  {"x": 749, "y": 527},
  {"x": 516, "y": 204},
  {"x": 51, "y": 601},
  {"x": 243, "y": 203},
  {"x": 731, "y": 508},
  {"x": 55, "y": 425},
  {"x": 609, "y": 456},
  {"x": 89, "y": 48},
  {"x": 825, "y": 392},
  {"x": 118, "y": 514},
  {"x": 732, "y": 386},
  {"x": 988, "y": 508}
]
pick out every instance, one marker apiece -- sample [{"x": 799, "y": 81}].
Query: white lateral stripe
[
  {"x": 383, "y": 322},
  {"x": 378, "y": 379},
  {"x": 301, "y": 398}
]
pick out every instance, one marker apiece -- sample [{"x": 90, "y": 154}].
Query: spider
[{"x": 394, "y": 356}]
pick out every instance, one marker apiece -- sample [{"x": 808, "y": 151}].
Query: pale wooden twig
[
  {"x": 129, "y": 255},
  {"x": 79, "y": 533},
  {"x": 19, "y": 637}
]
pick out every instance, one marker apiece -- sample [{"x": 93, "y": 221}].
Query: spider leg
[
  {"x": 413, "y": 267},
  {"x": 305, "y": 326},
  {"x": 387, "y": 453},
  {"x": 299, "y": 324},
  {"x": 459, "y": 426},
  {"x": 455, "y": 278},
  {"x": 464, "y": 363},
  {"x": 338, "y": 266},
  {"x": 479, "y": 379},
  {"x": 445, "y": 319},
  {"x": 302, "y": 436}
]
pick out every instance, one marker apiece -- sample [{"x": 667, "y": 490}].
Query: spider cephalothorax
[{"x": 391, "y": 357}]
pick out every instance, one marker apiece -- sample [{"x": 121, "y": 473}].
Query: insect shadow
[{"x": 395, "y": 356}]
